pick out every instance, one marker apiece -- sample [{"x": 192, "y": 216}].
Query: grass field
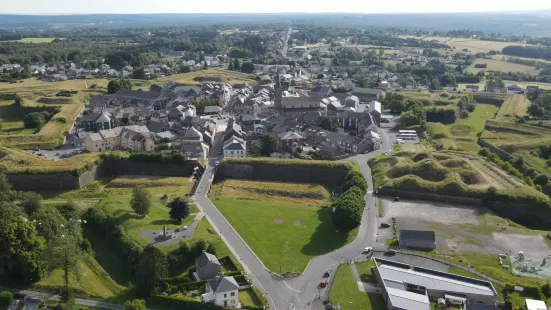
[
  {"x": 514, "y": 106},
  {"x": 500, "y": 65},
  {"x": 346, "y": 293},
  {"x": 12, "y": 122},
  {"x": 216, "y": 74},
  {"x": 94, "y": 281},
  {"x": 473, "y": 45},
  {"x": 36, "y": 40}
]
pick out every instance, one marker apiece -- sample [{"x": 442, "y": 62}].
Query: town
[{"x": 273, "y": 165}]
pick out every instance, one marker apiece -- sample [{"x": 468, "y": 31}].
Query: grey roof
[
  {"x": 290, "y": 135},
  {"x": 224, "y": 284},
  {"x": 123, "y": 92},
  {"x": 425, "y": 235},
  {"x": 212, "y": 109},
  {"x": 205, "y": 259},
  {"x": 192, "y": 133},
  {"x": 366, "y": 91},
  {"x": 234, "y": 145},
  {"x": 443, "y": 281},
  {"x": 156, "y": 127}
]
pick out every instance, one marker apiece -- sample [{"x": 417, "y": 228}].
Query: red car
[{"x": 323, "y": 283}]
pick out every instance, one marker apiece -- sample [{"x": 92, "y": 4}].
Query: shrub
[
  {"x": 541, "y": 179},
  {"x": 34, "y": 120},
  {"x": 464, "y": 114},
  {"x": 5, "y": 299}
]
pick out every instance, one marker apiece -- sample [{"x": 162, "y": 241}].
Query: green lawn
[
  {"x": 364, "y": 270},
  {"x": 346, "y": 293},
  {"x": 248, "y": 298},
  {"x": 285, "y": 236},
  {"x": 12, "y": 122},
  {"x": 36, "y": 40}
]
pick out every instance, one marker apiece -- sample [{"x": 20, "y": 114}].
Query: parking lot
[{"x": 56, "y": 154}]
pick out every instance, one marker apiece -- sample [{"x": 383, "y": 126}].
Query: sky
[{"x": 254, "y": 6}]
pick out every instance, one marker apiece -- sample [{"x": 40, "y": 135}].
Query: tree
[
  {"x": 541, "y": 179},
  {"x": 179, "y": 209},
  {"x": 247, "y": 67},
  {"x": 355, "y": 178},
  {"x": 139, "y": 74},
  {"x": 5, "y": 299},
  {"x": 151, "y": 271},
  {"x": 116, "y": 84},
  {"x": 136, "y": 304},
  {"x": 31, "y": 203},
  {"x": 236, "y": 65},
  {"x": 63, "y": 252},
  {"x": 141, "y": 200},
  {"x": 395, "y": 102},
  {"x": 269, "y": 144},
  {"x": 349, "y": 209},
  {"x": 34, "y": 120},
  {"x": 20, "y": 248},
  {"x": 185, "y": 69},
  {"x": 205, "y": 66},
  {"x": 230, "y": 66},
  {"x": 434, "y": 84},
  {"x": 48, "y": 222}
]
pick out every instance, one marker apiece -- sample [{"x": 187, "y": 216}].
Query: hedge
[{"x": 192, "y": 286}]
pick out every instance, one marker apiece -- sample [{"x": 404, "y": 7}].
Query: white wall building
[
  {"x": 223, "y": 292},
  {"x": 133, "y": 138}
]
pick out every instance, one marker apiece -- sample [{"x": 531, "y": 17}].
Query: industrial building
[{"x": 408, "y": 287}]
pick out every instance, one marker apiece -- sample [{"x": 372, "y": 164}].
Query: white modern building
[{"x": 412, "y": 288}]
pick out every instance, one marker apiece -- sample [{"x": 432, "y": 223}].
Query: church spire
[{"x": 277, "y": 79}]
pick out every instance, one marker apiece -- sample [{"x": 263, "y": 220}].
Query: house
[
  {"x": 222, "y": 291},
  {"x": 451, "y": 87},
  {"x": 412, "y": 85},
  {"x": 496, "y": 89},
  {"x": 235, "y": 147},
  {"x": 132, "y": 138},
  {"x": 532, "y": 304},
  {"x": 368, "y": 94},
  {"x": 289, "y": 141},
  {"x": 472, "y": 88},
  {"x": 417, "y": 239},
  {"x": 192, "y": 143},
  {"x": 411, "y": 288},
  {"x": 384, "y": 85},
  {"x": 207, "y": 265},
  {"x": 97, "y": 121},
  {"x": 333, "y": 105},
  {"x": 212, "y": 109},
  {"x": 514, "y": 89},
  {"x": 375, "y": 110}
]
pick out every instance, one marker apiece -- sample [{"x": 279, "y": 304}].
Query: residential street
[{"x": 301, "y": 292}]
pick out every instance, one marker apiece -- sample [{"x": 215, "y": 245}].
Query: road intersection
[{"x": 301, "y": 292}]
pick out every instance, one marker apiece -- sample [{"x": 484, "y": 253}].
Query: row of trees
[{"x": 350, "y": 205}]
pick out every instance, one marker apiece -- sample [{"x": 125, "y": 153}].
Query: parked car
[{"x": 385, "y": 225}]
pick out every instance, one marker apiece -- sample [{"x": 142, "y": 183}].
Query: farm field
[
  {"x": 473, "y": 45},
  {"x": 297, "y": 231},
  {"x": 514, "y": 106},
  {"x": 345, "y": 292},
  {"x": 36, "y": 40},
  {"x": 500, "y": 65}
]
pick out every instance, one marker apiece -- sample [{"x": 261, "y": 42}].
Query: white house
[
  {"x": 514, "y": 89},
  {"x": 235, "y": 147},
  {"x": 223, "y": 292}
]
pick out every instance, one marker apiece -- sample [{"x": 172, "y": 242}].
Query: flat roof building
[{"x": 412, "y": 288}]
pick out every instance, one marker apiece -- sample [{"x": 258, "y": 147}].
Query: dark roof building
[{"x": 417, "y": 239}]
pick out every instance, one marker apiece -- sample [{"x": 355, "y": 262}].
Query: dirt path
[{"x": 493, "y": 175}]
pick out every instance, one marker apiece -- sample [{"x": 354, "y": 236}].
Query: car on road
[
  {"x": 323, "y": 283},
  {"x": 216, "y": 163},
  {"x": 367, "y": 250},
  {"x": 326, "y": 274},
  {"x": 385, "y": 225}
]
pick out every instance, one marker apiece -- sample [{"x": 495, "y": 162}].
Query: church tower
[{"x": 278, "y": 92}]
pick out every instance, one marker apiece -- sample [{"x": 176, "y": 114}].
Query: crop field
[
  {"x": 473, "y": 45},
  {"x": 278, "y": 223},
  {"x": 513, "y": 106},
  {"x": 217, "y": 74},
  {"x": 500, "y": 65}
]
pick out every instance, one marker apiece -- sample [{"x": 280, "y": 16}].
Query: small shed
[
  {"x": 417, "y": 239},
  {"x": 532, "y": 304}
]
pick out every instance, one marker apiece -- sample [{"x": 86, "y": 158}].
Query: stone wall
[
  {"x": 69, "y": 181},
  {"x": 430, "y": 197},
  {"x": 278, "y": 173},
  {"x": 31, "y": 182}
]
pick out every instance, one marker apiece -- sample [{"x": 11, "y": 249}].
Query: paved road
[
  {"x": 301, "y": 292},
  {"x": 79, "y": 301},
  {"x": 285, "y": 45}
]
